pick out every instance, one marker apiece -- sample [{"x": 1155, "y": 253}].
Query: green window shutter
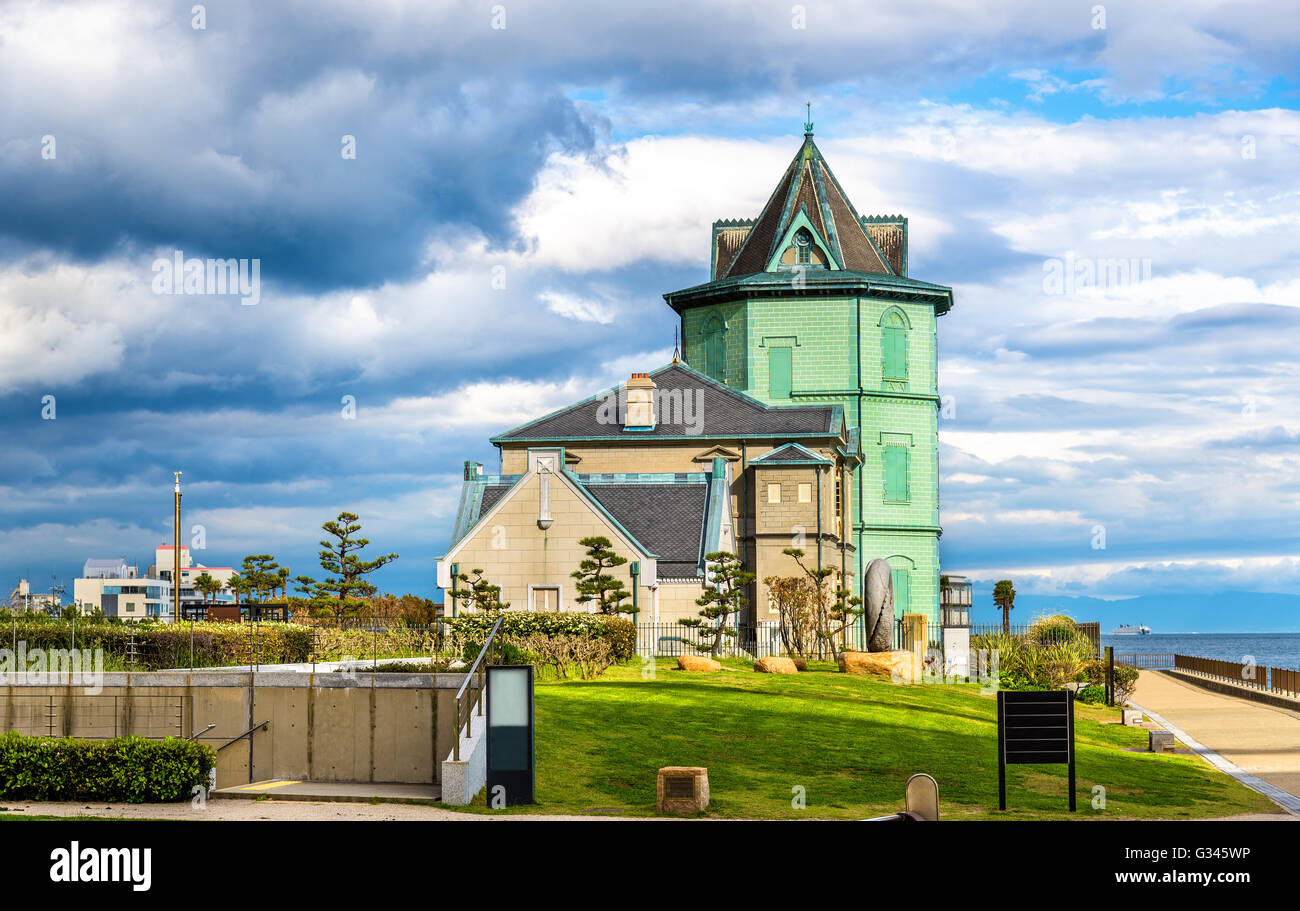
[
  {"x": 893, "y": 346},
  {"x": 895, "y": 458},
  {"x": 715, "y": 350},
  {"x": 780, "y": 372},
  {"x": 902, "y": 594}
]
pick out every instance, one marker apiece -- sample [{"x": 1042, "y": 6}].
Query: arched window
[
  {"x": 803, "y": 247},
  {"x": 893, "y": 346},
  {"x": 901, "y": 570},
  {"x": 715, "y": 349},
  {"x": 803, "y": 252},
  {"x": 902, "y": 580}
]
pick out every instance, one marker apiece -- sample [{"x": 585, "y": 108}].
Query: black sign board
[
  {"x": 1034, "y": 728},
  {"x": 510, "y": 759}
]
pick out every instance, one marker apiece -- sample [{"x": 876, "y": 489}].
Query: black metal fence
[
  {"x": 1147, "y": 661},
  {"x": 1255, "y": 676},
  {"x": 759, "y": 640},
  {"x": 1045, "y": 634},
  {"x": 669, "y": 640}
]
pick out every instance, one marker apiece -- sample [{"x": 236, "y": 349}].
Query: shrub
[
  {"x": 333, "y": 644},
  {"x": 125, "y": 769},
  {"x": 590, "y": 656},
  {"x": 1126, "y": 678},
  {"x": 516, "y": 626},
  {"x": 437, "y": 666},
  {"x": 1093, "y": 694},
  {"x": 1051, "y": 653},
  {"x": 167, "y": 645},
  {"x": 795, "y": 598}
]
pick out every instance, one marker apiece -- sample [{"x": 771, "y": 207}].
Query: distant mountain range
[{"x": 1223, "y": 612}]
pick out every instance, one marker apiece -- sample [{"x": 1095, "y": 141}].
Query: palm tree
[
  {"x": 283, "y": 575},
  {"x": 207, "y": 586},
  {"x": 237, "y": 586},
  {"x": 1004, "y": 596}
]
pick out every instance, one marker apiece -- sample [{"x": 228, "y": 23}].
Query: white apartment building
[{"x": 117, "y": 588}]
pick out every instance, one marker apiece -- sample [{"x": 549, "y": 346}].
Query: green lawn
[{"x": 849, "y": 742}]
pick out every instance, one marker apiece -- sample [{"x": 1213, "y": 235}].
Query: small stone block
[
  {"x": 1161, "y": 741},
  {"x": 1132, "y": 717},
  {"x": 682, "y": 790}
]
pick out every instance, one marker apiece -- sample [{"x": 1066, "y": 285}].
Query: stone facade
[
  {"x": 765, "y": 493},
  {"x": 519, "y": 556}
]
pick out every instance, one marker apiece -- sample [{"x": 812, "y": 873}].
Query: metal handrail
[
  {"x": 256, "y": 727},
  {"x": 202, "y": 732},
  {"x": 460, "y": 693}
]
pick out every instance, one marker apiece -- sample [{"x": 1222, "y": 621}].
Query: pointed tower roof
[{"x": 808, "y": 193}]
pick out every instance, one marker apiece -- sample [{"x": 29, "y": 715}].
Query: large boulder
[
  {"x": 697, "y": 663},
  {"x": 880, "y": 607},
  {"x": 775, "y": 666},
  {"x": 899, "y": 666}
]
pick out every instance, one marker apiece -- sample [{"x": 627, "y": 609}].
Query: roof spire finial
[{"x": 808, "y": 124}]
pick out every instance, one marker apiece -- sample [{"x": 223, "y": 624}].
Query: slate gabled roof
[
  {"x": 807, "y": 186},
  {"x": 666, "y": 513},
  {"x": 724, "y": 413},
  {"x": 668, "y": 519},
  {"x": 494, "y": 492},
  {"x": 791, "y": 454}
]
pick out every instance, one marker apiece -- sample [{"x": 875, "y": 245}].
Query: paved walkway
[
  {"x": 217, "y": 810},
  {"x": 333, "y": 791},
  {"x": 1260, "y": 741}
]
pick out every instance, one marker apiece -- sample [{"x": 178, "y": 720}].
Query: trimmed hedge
[
  {"x": 617, "y": 631},
  {"x": 124, "y": 769},
  {"x": 438, "y": 666},
  {"x": 160, "y": 646}
]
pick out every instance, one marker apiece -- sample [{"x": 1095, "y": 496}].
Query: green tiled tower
[{"x": 811, "y": 303}]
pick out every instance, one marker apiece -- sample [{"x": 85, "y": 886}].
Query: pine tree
[
  {"x": 479, "y": 593},
  {"x": 719, "y": 603},
  {"x": 345, "y": 590},
  {"x": 594, "y": 584},
  {"x": 260, "y": 573}
]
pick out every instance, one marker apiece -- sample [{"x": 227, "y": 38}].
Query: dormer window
[
  {"x": 803, "y": 252},
  {"x": 803, "y": 247}
]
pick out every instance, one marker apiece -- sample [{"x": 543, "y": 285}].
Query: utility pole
[
  {"x": 56, "y": 594},
  {"x": 176, "y": 552}
]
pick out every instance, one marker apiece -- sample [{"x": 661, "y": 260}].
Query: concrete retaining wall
[
  {"x": 322, "y": 727},
  {"x": 462, "y": 779}
]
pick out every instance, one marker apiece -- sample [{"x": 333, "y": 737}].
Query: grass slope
[{"x": 849, "y": 742}]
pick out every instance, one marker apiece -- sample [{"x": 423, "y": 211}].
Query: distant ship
[{"x": 1131, "y": 631}]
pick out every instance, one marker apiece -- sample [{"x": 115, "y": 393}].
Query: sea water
[{"x": 1270, "y": 649}]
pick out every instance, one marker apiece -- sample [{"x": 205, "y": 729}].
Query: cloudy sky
[{"x": 528, "y": 180}]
